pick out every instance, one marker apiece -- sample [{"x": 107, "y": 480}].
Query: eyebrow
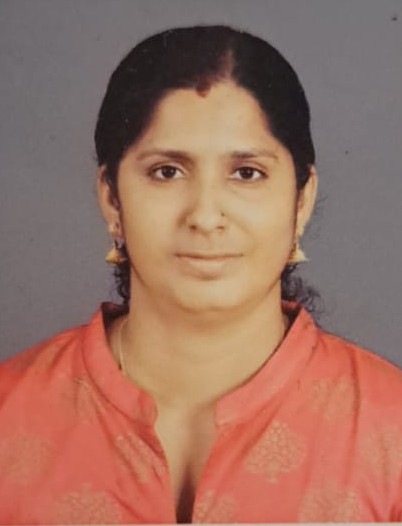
[
  {"x": 172, "y": 154},
  {"x": 250, "y": 154},
  {"x": 184, "y": 156}
]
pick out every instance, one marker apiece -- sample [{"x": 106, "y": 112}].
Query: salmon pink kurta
[{"x": 314, "y": 435}]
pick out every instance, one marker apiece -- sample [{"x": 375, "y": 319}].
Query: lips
[
  {"x": 206, "y": 265},
  {"x": 208, "y": 255}
]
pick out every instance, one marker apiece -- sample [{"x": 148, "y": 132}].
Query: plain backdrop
[{"x": 55, "y": 59}]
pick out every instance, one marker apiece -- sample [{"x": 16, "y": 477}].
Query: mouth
[
  {"x": 208, "y": 256},
  {"x": 206, "y": 265}
]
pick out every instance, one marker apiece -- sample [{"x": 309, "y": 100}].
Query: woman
[{"x": 206, "y": 396}]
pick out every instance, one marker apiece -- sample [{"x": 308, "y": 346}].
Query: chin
[
  {"x": 210, "y": 303},
  {"x": 214, "y": 300}
]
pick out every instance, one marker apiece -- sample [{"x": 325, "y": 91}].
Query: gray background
[{"x": 55, "y": 59}]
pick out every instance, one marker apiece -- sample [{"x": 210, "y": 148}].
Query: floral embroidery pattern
[
  {"x": 86, "y": 507},
  {"x": 334, "y": 398},
  {"x": 330, "y": 504},
  {"x": 382, "y": 451},
  {"x": 212, "y": 509},
  {"x": 24, "y": 457},
  {"x": 278, "y": 451}
]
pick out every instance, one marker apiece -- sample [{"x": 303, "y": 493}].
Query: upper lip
[{"x": 208, "y": 255}]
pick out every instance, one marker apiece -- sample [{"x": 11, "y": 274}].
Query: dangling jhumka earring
[
  {"x": 297, "y": 255},
  {"x": 115, "y": 255}
]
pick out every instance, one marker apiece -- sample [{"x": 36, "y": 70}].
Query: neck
[{"x": 188, "y": 362}]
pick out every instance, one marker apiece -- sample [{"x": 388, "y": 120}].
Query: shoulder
[
  {"x": 61, "y": 356},
  {"x": 338, "y": 369},
  {"x": 373, "y": 376},
  {"x": 35, "y": 363},
  {"x": 332, "y": 355},
  {"x": 367, "y": 361}
]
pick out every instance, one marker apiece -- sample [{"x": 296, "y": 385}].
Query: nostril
[{"x": 206, "y": 220}]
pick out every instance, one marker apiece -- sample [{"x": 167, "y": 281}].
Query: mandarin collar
[{"x": 278, "y": 374}]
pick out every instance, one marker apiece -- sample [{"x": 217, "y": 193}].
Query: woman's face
[{"x": 208, "y": 203}]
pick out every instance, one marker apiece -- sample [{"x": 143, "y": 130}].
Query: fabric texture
[{"x": 314, "y": 436}]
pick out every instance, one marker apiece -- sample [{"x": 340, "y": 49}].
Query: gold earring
[
  {"x": 297, "y": 255},
  {"x": 115, "y": 255}
]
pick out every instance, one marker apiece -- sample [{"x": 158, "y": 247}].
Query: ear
[
  {"x": 108, "y": 205},
  {"x": 306, "y": 201}
]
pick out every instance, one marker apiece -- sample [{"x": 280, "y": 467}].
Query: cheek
[
  {"x": 275, "y": 217},
  {"x": 274, "y": 235},
  {"x": 147, "y": 227}
]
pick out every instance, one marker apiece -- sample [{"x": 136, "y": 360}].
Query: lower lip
[{"x": 206, "y": 267}]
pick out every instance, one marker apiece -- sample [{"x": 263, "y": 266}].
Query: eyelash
[
  {"x": 154, "y": 173},
  {"x": 261, "y": 174}
]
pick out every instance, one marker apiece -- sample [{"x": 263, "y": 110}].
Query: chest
[
  {"x": 309, "y": 466},
  {"x": 187, "y": 442}
]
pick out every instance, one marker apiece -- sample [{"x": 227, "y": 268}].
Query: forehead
[{"x": 225, "y": 113}]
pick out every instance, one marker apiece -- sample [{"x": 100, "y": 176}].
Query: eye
[
  {"x": 166, "y": 172},
  {"x": 248, "y": 173}
]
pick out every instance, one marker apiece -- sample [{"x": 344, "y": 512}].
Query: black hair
[{"x": 198, "y": 57}]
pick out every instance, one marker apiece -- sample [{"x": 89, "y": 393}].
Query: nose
[{"x": 205, "y": 210}]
